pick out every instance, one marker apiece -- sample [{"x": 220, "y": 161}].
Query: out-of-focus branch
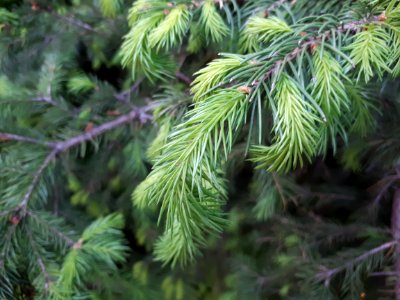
[
  {"x": 396, "y": 236},
  {"x": 20, "y": 138},
  {"x": 327, "y": 274},
  {"x": 139, "y": 113}
]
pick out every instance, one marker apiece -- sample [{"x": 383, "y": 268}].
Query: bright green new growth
[
  {"x": 102, "y": 242},
  {"x": 212, "y": 75},
  {"x": 185, "y": 180},
  {"x": 80, "y": 83},
  {"x": 143, "y": 60},
  {"x": 110, "y": 8},
  {"x": 260, "y": 30},
  {"x": 303, "y": 77},
  {"x": 295, "y": 130},
  {"x": 214, "y": 26},
  {"x": 170, "y": 31},
  {"x": 363, "y": 109},
  {"x": 330, "y": 93},
  {"x": 158, "y": 26},
  {"x": 370, "y": 51}
]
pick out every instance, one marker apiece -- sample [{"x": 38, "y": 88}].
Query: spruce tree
[{"x": 225, "y": 149}]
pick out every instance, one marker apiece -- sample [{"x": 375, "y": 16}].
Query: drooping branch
[
  {"x": 36, "y": 179},
  {"x": 138, "y": 113},
  {"x": 39, "y": 261},
  {"x": 396, "y": 236},
  {"x": 70, "y": 242},
  {"x": 313, "y": 42},
  {"x": 327, "y": 274}
]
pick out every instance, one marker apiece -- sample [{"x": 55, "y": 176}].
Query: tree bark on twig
[{"x": 396, "y": 236}]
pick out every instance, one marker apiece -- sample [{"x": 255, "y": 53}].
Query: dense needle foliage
[{"x": 228, "y": 149}]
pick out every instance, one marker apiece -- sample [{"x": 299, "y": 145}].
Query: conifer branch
[
  {"x": 186, "y": 79},
  {"x": 396, "y": 235},
  {"x": 20, "y": 138},
  {"x": 279, "y": 189},
  {"x": 124, "y": 94},
  {"x": 47, "y": 100},
  {"x": 39, "y": 260},
  {"x": 313, "y": 42},
  {"x": 139, "y": 113},
  {"x": 76, "y": 22},
  {"x": 70, "y": 242},
  {"x": 327, "y": 274},
  {"x": 273, "y": 6},
  {"x": 35, "y": 180}
]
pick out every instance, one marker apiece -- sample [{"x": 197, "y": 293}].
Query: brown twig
[
  {"x": 35, "y": 181},
  {"x": 25, "y": 139},
  {"x": 186, "y": 79},
  {"x": 311, "y": 42},
  {"x": 396, "y": 235},
  {"x": 122, "y": 96},
  {"x": 280, "y": 190},
  {"x": 76, "y": 22},
  {"x": 139, "y": 113}
]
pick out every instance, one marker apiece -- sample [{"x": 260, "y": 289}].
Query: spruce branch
[
  {"x": 20, "y": 138},
  {"x": 139, "y": 113},
  {"x": 70, "y": 242},
  {"x": 186, "y": 176},
  {"x": 48, "y": 100},
  {"x": 71, "y": 19},
  {"x": 312, "y": 42},
  {"x": 39, "y": 260},
  {"x": 278, "y": 185},
  {"x": 184, "y": 78},
  {"x": 327, "y": 274},
  {"x": 276, "y": 4},
  {"x": 35, "y": 180},
  {"x": 122, "y": 96},
  {"x": 396, "y": 235},
  {"x": 76, "y": 22}
]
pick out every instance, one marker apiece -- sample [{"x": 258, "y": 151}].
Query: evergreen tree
[{"x": 272, "y": 173}]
